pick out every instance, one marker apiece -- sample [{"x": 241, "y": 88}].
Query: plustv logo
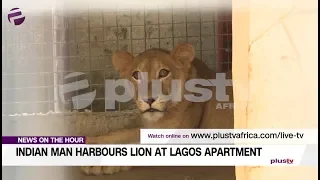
[
  {"x": 79, "y": 101},
  {"x": 15, "y": 16},
  {"x": 281, "y": 161}
]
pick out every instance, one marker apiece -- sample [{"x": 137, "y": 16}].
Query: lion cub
[{"x": 160, "y": 109}]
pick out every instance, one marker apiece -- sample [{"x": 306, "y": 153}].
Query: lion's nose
[{"x": 150, "y": 100}]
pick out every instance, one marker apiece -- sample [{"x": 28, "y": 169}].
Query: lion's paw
[{"x": 99, "y": 170}]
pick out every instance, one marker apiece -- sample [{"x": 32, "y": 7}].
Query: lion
[{"x": 157, "y": 111}]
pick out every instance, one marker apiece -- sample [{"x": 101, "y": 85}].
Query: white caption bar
[
  {"x": 151, "y": 155},
  {"x": 229, "y": 136}
]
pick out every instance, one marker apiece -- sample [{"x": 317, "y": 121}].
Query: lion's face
[
  {"x": 155, "y": 70},
  {"x": 158, "y": 78}
]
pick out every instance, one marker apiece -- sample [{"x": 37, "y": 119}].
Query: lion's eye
[
  {"x": 135, "y": 75},
  {"x": 163, "y": 73}
]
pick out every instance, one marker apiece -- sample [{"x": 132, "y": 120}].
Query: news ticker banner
[
  {"x": 158, "y": 155},
  {"x": 229, "y": 136},
  {"x": 193, "y": 136},
  {"x": 72, "y": 151}
]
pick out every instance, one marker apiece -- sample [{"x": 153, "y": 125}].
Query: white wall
[{"x": 275, "y": 59}]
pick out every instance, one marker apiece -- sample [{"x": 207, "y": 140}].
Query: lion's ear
[
  {"x": 184, "y": 53},
  {"x": 122, "y": 61}
]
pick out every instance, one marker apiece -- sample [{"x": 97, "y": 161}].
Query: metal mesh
[
  {"x": 38, "y": 55},
  {"x": 27, "y": 64}
]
